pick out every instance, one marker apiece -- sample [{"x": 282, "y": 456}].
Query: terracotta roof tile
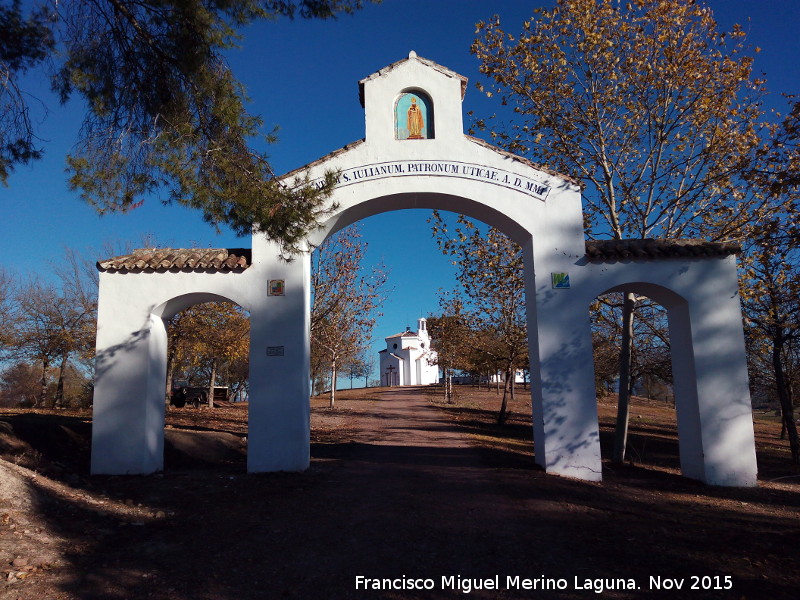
[
  {"x": 403, "y": 334},
  {"x": 178, "y": 259},
  {"x": 649, "y": 249}
]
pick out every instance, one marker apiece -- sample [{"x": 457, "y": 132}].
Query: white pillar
[
  {"x": 715, "y": 421},
  {"x": 684, "y": 383},
  {"x": 565, "y": 426},
  {"x": 279, "y": 426},
  {"x": 130, "y": 376}
]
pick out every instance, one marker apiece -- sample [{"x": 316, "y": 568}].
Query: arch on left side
[{"x": 131, "y": 356}]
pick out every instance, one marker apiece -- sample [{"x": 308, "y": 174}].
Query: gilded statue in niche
[
  {"x": 412, "y": 119},
  {"x": 415, "y": 121}
]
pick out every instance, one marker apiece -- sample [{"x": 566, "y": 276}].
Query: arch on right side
[{"x": 712, "y": 398}]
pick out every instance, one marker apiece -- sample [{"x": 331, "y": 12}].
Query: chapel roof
[
  {"x": 412, "y": 56},
  {"x": 649, "y": 249},
  {"x": 179, "y": 259},
  {"x": 403, "y": 334}
]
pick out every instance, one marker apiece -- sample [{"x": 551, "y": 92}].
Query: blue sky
[{"x": 303, "y": 76}]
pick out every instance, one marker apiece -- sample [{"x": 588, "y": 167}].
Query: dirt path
[
  {"x": 419, "y": 501},
  {"x": 398, "y": 492}
]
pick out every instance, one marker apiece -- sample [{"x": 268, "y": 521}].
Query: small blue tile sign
[
  {"x": 560, "y": 281},
  {"x": 277, "y": 287}
]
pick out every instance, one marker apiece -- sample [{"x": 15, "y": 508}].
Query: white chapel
[{"x": 408, "y": 358}]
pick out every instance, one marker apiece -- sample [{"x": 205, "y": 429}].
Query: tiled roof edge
[
  {"x": 522, "y": 160},
  {"x": 159, "y": 260},
  {"x": 650, "y": 249},
  {"x": 412, "y": 56}
]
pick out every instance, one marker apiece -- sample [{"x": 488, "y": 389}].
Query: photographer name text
[{"x": 598, "y": 585}]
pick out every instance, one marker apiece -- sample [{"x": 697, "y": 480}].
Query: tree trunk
[
  {"x": 503, "y": 414},
  {"x": 333, "y": 383},
  {"x": 787, "y": 410},
  {"x": 43, "y": 383},
  {"x": 623, "y": 405},
  {"x": 212, "y": 382},
  {"x": 60, "y": 387},
  {"x": 168, "y": 390}
]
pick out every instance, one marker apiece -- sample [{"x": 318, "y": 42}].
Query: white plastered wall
[
  {"x": 716, "y": 434},
  {"x": 129, "y": 398},
  {"x": 709, "y": 364},
  {"x": 130, "y": 376}
]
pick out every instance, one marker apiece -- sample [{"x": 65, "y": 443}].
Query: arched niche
[{"x": 413, "y": 116}]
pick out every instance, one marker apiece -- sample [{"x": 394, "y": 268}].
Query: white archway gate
[{"x": 415, "y": 155}]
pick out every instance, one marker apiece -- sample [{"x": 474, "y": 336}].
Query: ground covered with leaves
[{"x": 402, "y": 486}]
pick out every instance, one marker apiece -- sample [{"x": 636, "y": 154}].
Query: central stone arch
[
  {"x": 380, "y": 204},
  {"x": 539, "y": 209},
  {"x": 415, "y": 155}
]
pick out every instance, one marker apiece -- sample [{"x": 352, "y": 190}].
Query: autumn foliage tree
[
  {"x": 38, "y": 336},
  {"x": 206, "y": 338},
  {"x": 451, "y": 337},
  {"x": 20, "y": 384},
  {"x": 646, "y": 103},
  {"x": 771, "y": 276},
  {"x": 51, "y": 323},
  {"x": 771, "y": 301},
  {"x": 778, "y": 172},
  {"x": 650, "y": 360},
  {"x": 77, "y": 314},
  {"x": 345, "y": 302},
  {"x": 360, "y": 366},
  {"x": 492, "y": 291}
]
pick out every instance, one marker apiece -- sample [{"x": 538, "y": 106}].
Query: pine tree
[{"x": 165, "y": 116}]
